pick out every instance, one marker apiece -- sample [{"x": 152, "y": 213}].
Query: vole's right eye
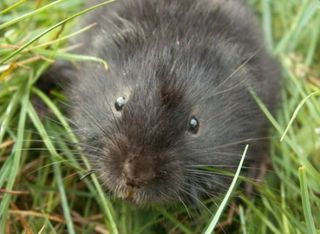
[
  {"x": 120, "y": 102},
  {"x": 193, "y": 125}
]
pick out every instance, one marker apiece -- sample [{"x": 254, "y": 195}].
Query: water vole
[{"x": 175, "y": 97}]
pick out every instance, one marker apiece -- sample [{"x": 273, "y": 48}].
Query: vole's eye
[
  {"x": 120, "y": 102},
  {"x": 193, "y": 125}
]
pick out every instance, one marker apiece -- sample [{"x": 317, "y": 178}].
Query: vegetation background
[{"x": 43, "y": 189}]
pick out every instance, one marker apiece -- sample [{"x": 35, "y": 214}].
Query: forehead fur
[{"x": 170, "y": 96}]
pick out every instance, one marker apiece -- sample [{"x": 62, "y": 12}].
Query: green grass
[{"x": 43, "y": 189}]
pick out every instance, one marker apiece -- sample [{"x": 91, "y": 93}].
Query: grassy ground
[{"x": 41, "y": 185}]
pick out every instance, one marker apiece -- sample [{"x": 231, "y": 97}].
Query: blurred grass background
[{"x": 43, "y": 189}]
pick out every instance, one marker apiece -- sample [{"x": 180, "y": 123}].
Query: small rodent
[{"x": 175, "y": 97}]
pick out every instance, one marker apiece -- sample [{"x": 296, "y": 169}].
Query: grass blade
[
  {"x": 105, "y": 203},
  {"x": 20, "y": 18},
  {"x": 174, "y": 220},
  {"x": 6, "y": 59},
  {"x": 14, "y": 164},
  {"x": 301, "y": 104},
  {"x": 12, "y": 7},
  {"x": 223, "y": 204},
  {"x": 311, "y": 229},
  {"x": 63, "y": 197}
]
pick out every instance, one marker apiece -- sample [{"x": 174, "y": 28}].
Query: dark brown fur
[{"x": 172, "y": 60}]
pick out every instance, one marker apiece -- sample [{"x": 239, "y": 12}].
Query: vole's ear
[
  {"x": 59, "y": 74},
  {"x": 57, "y": 77}
]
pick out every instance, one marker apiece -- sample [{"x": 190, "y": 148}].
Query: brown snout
[{"x": 138, "y": 171}]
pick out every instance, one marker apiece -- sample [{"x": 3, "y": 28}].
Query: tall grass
[{"x": 43, "y": 189}]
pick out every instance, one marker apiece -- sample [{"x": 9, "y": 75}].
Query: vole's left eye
[
  {"x": 120, "y": 102},
  {"x": 193, "y": 125}
]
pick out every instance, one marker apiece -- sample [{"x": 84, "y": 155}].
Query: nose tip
[{"x": 138, "y": 172}]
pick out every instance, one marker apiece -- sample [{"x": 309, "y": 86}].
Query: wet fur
[{"x": 173, "y": 59}]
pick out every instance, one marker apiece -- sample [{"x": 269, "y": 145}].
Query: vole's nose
[{"x": 138, "y": 171}]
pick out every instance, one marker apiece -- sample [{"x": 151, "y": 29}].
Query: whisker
[
  {"x": 195, "y": 198},
  {"x": 87, "y": 174},
  {"x": 238, "y": 68}
]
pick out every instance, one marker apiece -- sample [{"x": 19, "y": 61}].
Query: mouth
[
  {"x": 130, "y": 194},
  {"x": 133, "y": 196},
  {"x": 142, "y": 196}
]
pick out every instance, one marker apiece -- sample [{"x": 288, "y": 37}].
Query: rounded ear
[{"x": 59, "y": 74}]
